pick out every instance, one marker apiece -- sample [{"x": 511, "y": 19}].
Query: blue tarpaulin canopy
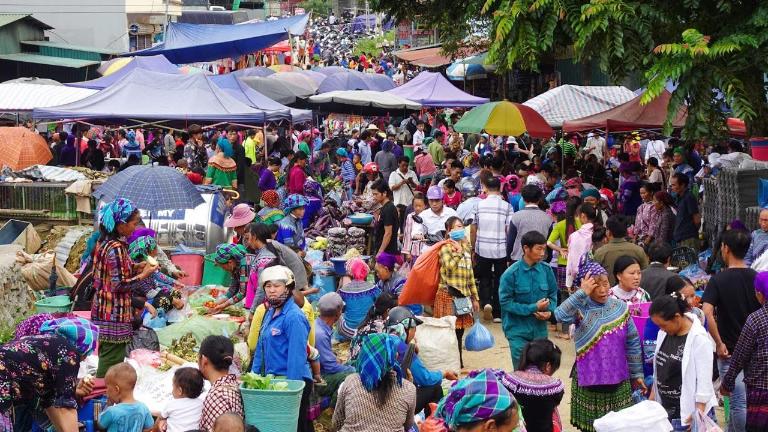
[
  {"x": 190, "y": 43},
  {"x": 149, "y": 96},
  {"x": 156, "y": 63},
  {"x": 274, "y": 111}
]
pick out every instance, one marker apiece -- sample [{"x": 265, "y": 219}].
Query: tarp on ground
[
  {"x": 630, "y": 116},
  {"x": 432, "y": 89},
  {"x": 26, "y": 97},
  {"x": 274, "y": 111},
  {"x": 191, "y": 43},
  {"x": 148, "y": 96},
  {"x": 570, "y": 102},
  {"x": 155, "y": 63}
]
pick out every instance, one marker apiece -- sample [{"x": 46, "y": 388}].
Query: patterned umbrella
[
  {"x": 504, "y": 118},
  {"x": 22, "y": 148},
  {"x": 151, "y": 188}
]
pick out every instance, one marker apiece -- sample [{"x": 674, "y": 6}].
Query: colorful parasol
[
  {"x": 22, "y": 148},
  {"x": 504, "y": 118},
  {"x": 285, "y": 68},
  {"x": 114, "y": 65}
]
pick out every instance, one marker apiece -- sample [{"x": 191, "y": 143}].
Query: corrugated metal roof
[
  {"x": 26, "y": 97},
  {"x": 48, "y": 60},
  {"x": 8, "y": 18},
  {"x": 71, "y": 47}
]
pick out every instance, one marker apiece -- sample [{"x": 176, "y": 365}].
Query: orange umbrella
[{"x": 21, "y": 148}]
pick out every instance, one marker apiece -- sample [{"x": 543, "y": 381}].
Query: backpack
[{"x": 82, "y": 293}]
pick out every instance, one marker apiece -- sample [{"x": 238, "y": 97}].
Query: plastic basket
[
  {"x": 271, "y": 410},
  {"x": 192, "y": 263},
  {"x": 53, "y": 304}
]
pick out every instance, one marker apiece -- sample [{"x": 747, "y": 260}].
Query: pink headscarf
[{"x": 357, "y": 268}]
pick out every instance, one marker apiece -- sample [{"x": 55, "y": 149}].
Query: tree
[
  {"x": 374, "y": 44},
  {"x": 320, "y": 8},
  {"x": 714, "y": 50}
]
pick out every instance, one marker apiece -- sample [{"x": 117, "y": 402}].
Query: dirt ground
[{"x": 499, "y": 357}]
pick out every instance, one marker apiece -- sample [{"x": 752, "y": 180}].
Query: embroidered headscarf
[
  {"x": 378, "y": 356},
  {"x": 475, "y": 399},
  {"x": 357, "y": 268},
  {"x": 31, "y": 325},
  {"x": 82, "y": 333},
  {"x": 270, "y": 198},
  {"x": 387, "y": 260},
  {"x": 116, "y": 212}
]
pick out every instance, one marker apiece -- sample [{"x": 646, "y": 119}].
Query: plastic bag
[
  {"x": 699, "y": 278},
  {"x": 159, "y": 321},
  {"x": 478, "y": 338},
  {"x": 646, "y": 416},
  {"x": 199, "y": 326},
  {"x": 146, "y": 357},
  {"x": 438, "y": 346},
  {"x": 702, "y": 423},
  {"x": 36, "y": 270},
  {"x": 422, "y": 282}
]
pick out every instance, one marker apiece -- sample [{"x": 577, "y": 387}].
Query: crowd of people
[{"x": 577, "y": 233}]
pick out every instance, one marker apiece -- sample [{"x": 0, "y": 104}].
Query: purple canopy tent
[
  {"x": 432, "y": 89},
  {"x": 343, "y": 81},
  {"x": 183, "y": 98},
  {"x": 156, "y": 63},
  {"x": 259, "y": 71}
]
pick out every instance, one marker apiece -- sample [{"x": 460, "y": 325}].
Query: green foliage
[
  {"x": 318, "y": 7},
  {"x": 701, "y": 45},
  {"x": 373, "y": 45}
]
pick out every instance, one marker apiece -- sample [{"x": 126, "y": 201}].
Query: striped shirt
[
  {"x": 492, "y": 216},
  {"x": 347, "y": 172},
  {"x": 568, "y": 148}
]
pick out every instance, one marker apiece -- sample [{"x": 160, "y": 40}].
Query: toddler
[
  {"x": 183, "y": 412},
  {"x": 126, "y": 414},
  {"x": 161, "y": 290},
  {"x": 451, "y": 197}
]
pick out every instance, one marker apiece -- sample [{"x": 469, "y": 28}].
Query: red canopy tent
[
  {"x": 278, "y": 48},
  {"x": 629, "y": 116}
]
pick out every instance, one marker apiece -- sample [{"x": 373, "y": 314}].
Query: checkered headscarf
[
  {"x": 588, "y": 265},
  {"x": 82, "y": 333},
  {"x": 378, "y": 356},
  {"x": 141, "y": 247},
  {"x": 227, "y": 251},
  {"x": 475, "y": 399}
]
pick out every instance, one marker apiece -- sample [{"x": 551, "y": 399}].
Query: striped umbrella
[
  {"x": 504, "y": 118},
  {"x": 22, "y": 148},
  {"x": 151, "y": 188}
]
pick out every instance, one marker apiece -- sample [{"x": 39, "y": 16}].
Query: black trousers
[
  {"x": 305, "y": 425},
  {"x": 489, "y": 271},
  {"x": 427, "y": 395}
]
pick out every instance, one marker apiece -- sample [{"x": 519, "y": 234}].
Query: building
[
  {"x": 102, "y": 24},
  {"x": 24, "y": 52}
]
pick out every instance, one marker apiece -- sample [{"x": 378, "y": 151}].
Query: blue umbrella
[{"x": 151, "y": 188}]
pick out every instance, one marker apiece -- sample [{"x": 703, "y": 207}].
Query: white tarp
[
  {"x": 26, "y": 97},
  {"x": 365, "y": 98},
  {"x": 570, "y": 102}
]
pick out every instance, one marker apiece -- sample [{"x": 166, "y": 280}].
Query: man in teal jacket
[{"x": 528, "y": 295}]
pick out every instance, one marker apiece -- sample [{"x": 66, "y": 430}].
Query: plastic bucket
[
  {"x": 339, "y": 266},
  {"x": 54, "y": 304},
  {"x": 192, "y": 263},
  {"x": 325, "y": 279},
  {"x": 215, "y": 275},
  {"x": 272, "y": 410},
  {"x": 759, "y": 148}
]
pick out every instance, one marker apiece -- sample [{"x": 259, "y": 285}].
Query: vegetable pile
[
  {"x": 258, "y": 382},
  {"x": 184, "y": 347}
]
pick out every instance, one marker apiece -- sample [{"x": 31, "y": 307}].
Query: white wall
[{"x": 97, "y": 23}]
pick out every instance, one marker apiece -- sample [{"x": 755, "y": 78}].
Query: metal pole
[{"x": 165, "y": 23}]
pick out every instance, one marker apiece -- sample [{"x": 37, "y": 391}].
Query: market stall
[
  {"x": 275, "y": 111},
  {"x": 431, "y": 89},
  {"x": 570, "y": 102},
  {"x": 362, "y": 102},
  {"x": 156, "y": 63}
]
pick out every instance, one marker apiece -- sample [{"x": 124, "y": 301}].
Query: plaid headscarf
[
  {"x": 118, "y": 211},
  {"x": 82, "y": 333},
  {"x": 475, "y": 399},
  {"x": 588, "y": 265},
  {"x": 378, "y": 357},
  {"x": 141, "y": 247},
  {"x": 227, "y": 251},
  {"x": 270, "y": 198}
]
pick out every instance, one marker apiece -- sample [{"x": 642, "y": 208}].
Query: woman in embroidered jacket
[{"x": 608, "y": 354}]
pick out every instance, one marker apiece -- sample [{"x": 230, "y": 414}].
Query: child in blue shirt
[{"x": 126, "y": 414}]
